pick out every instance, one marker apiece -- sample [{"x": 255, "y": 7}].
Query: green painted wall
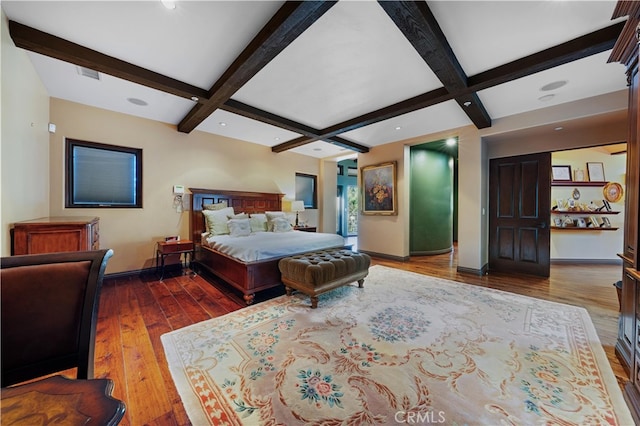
[{"x": 431, "y": 205}]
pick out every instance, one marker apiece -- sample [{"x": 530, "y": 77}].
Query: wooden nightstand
[
  {"x": 167, "y": 248},
  {"x": 305, "y": 228}
]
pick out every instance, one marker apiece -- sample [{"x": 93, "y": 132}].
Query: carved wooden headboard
[{"x": 241, "y": 201}]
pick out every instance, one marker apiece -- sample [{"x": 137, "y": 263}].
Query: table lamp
[{"x": 297, "y": 206}]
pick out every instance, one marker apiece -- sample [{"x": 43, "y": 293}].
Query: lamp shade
[{"x": 297, "y": 206}]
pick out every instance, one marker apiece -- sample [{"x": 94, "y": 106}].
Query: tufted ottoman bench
[{"x": 318, "y": 272}]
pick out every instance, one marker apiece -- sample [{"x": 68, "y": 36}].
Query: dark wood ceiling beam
[
  {"x": 409, "y": 105},
  {"x": 248, "y": 111},
  {"x": 417, "y": 23},
  {"x": 334, "y": 140},
  {"x": 55, "y": 47},
  {"x": 291, "y": 20},
  {"x": 581, "y": 47},
  {"x": 590, "y": 44}
]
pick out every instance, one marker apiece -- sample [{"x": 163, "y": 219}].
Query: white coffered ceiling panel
[
  {"x": 352, "y": 61},
  {"x": 410, "y": 125}
]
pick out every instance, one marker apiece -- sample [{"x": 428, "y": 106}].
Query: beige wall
[
  {"x": 389, "y": 235},
  {"x": 327, "y": 187},
  {"x": 24, "y": 147},
  {"x": 198, "y": 159},
  {"x": 33, "y": 178}
]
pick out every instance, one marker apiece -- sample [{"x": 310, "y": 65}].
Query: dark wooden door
[{"x": 519, "y": 214}]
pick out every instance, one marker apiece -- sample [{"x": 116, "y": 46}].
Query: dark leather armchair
[
  {"x": 49, "y": 312},
  {"x": 49, "y": 308}
]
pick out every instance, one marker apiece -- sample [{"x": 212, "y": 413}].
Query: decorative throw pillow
[
  {"x": 281, "y": 224},
  {"x": 239, "y": 227},
  {"x": 216, "y": 206},
  {"x": 271, "y": 216},
  {"x": 239, "y": 216},
  {"x": 258, "y": 222},
  {"x": 216, "y": 220}
]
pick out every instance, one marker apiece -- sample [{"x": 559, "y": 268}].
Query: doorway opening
[{"x": 347, "y": 203}]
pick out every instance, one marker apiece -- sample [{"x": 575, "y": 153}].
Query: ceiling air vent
[{"x": 88, "y": 73}]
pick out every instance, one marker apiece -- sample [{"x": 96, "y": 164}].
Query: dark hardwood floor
[{"x": 136, "y": 311}]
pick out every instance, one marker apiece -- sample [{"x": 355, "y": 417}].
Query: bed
[{"x": 249, "y": 269}]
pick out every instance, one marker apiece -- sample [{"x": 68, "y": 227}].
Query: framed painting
[{"x": 379, "y": 189}]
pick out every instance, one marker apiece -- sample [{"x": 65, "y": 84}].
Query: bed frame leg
[{"x": 248, "y": 298}]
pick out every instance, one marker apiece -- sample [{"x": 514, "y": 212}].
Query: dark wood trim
[
  {"x": 420, "y": 27},
  {"x": 291, "y": 20},
  {"x": 254, "y": 113},
  {"x": 576, "y": 49},
  {"x": 479, "y": 272},
  {"x": 386, "y": 256},
  {"x": 55, "y": 47}
]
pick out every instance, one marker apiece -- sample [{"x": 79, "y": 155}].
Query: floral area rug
[{"x": 405, "y": 349}]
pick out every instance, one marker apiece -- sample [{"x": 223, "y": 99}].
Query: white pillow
[
  {"x": 281, "y": 224},
  {"x": 216, "y": 220},
  {"x": 271, "y": 216},
  {"x": 239, "y": 227},
  {"x": 258, "y": 222}
]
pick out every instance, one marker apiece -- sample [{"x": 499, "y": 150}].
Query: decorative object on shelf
[
  {"x": 606, "y": 223},
  {"x": 581, "y": 223},
  {"x": 593, "y": 222},
  {"x": 578, "y": 175},
  {"x": 561, "y": 173},
  {"x": 567, "y": 222},
  {"x": 297, "y": 206},
  {"x": 575, "y": 194},
  {"x": 613, "y": 192},
  {"x": 562, "y": 205},
  {"x": 596, "y": 172}
]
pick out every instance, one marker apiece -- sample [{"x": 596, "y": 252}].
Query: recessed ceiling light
[
  {"x": 546, "y": 98},
  {"x": 195, "y": 99},
  {"x": 554, "y": 85},
  {"x": 467, "y": 103},
  {"x": 557, "y": 129},
  {"x": 222, "y": 123},
  {"x": 168, "y": 4},
  {"x": 398, "y": 127},
  {"x": 137, "y": 101},
  {"x": 276, "y": 138}
]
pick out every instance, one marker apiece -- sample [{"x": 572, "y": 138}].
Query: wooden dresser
[
  {"x": 56, "y": 234},
  {"x": 625, "y": 51}
]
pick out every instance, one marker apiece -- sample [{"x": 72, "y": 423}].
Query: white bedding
[{"x": 266, "y": 245}]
